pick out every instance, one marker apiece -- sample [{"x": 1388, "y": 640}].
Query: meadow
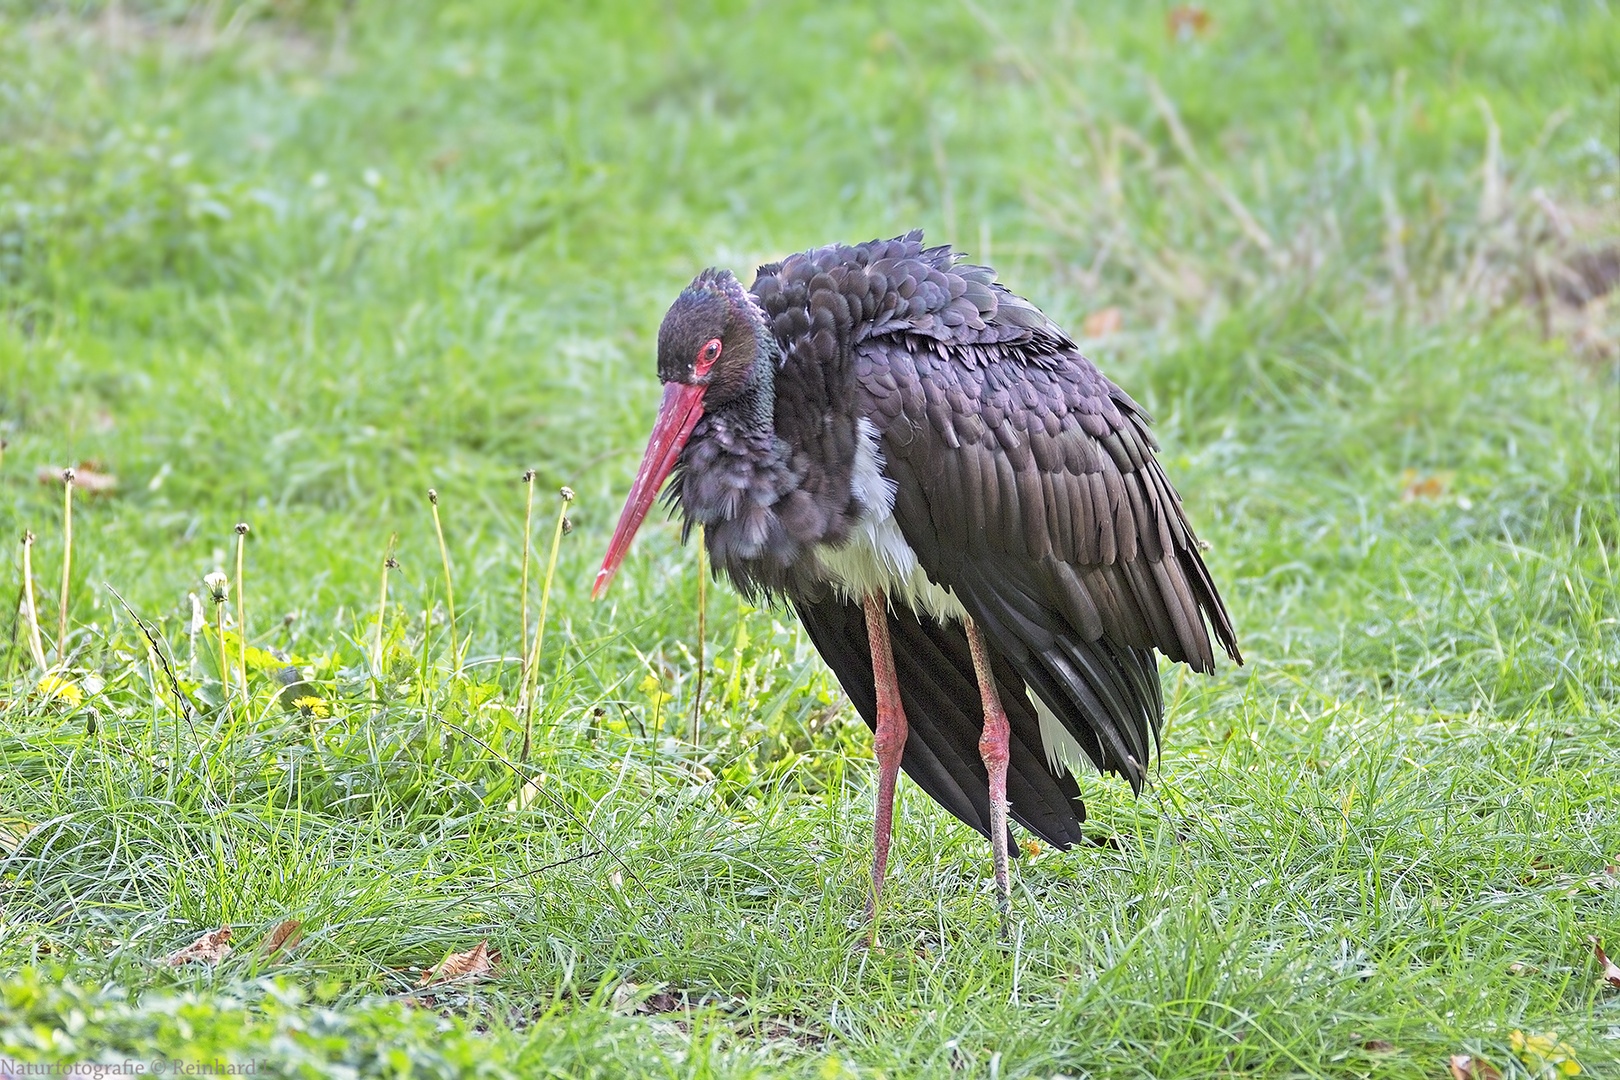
[{"x": 294, "y": 263}]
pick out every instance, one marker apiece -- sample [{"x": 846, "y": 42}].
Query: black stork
[{"x": 966, "y": 514}]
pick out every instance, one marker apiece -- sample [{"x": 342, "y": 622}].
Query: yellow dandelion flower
[
  {"x": 62, "y": 689},
  {"x": 312, "y": 706},
  {"x": 1544, "y": 1055}
]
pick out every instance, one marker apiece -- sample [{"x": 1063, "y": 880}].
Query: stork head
[{"x": 710, "y": 347}]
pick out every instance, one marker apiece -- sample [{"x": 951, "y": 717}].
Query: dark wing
[
  {"x": 1026, "y": 482},
  {"x": 938, "y": 689}
]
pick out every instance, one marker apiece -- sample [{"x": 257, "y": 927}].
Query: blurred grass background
[{"x": 294, "y": 263}]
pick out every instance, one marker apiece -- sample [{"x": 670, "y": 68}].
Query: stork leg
[
  {"x": 995, "y": 748},
  {"x": 888, "y": 742}
]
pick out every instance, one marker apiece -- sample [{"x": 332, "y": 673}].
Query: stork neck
[{"x": 753, "y": 410}]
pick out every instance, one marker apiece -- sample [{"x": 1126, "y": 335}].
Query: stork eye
[{"x": 707, "y": 357}]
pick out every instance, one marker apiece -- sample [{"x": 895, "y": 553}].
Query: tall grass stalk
[
  {"x": 34, "y": 644},
  {"x": 67, "y": 568},
  {"x": 449, "y": 588},
  {"x": 532, "y": 664}
]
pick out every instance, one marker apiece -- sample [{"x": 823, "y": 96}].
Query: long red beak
[{"x": 679, "y": 413}]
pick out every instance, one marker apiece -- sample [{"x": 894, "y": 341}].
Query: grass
[{"x": 294, "y": 263}]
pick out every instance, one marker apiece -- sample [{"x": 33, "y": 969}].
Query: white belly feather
[{"x": 875, "y": 557}]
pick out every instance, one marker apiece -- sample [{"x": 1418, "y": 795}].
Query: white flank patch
[
  {"x": 876, "y": 558},
  {"x": 1063, "y": 752}
]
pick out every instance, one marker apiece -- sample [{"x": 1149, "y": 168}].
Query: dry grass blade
[
  {"x": 1172, "y": 120},
  {"x": 210, "y": 948}
]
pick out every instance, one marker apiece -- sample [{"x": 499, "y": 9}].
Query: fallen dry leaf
[
  {"x": 211, "y": 948},
  {"x": 1415, "y": 486},
  {"x": 1468, "y": 1067},
  {"x": 1101, "y": 323},
  {"x": 1185, "y": 21},
  {"x": 286, "y": 936},
  {"x": 13, "y": 831},
  {"x": 624, "y": 996},
  {"x": 1611, "y": 970},
  {"x": 661, "y": 1002},
  {"x": 476, "y": 962},
  {"x": 88, "y": 478}
]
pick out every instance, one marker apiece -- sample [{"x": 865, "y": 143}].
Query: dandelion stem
[
  {"x": 224, "y": 662},
  {"x": 67, "y": 567},
  {"x": 449, "y": 589},
  {"x": 533, "y": 664},
  {"x": 382, "y": 605},
  {"x": 28, "y": 600},
  {"x": 241, "y": 609},
  {"x": 523, "y": 589},
  {"x": 702, "y": 629}
]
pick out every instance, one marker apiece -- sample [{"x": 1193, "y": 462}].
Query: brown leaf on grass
[
  {"x": 475, "y": 963},
  {"x": 286, "y": 936},
  {"x": 1611, "y": 970},
  {"x": 661, "y": 1002},
  {"x": 1186, "y": 21},
  {"x": 211, "y": 948},
  {"x": 1103, "y": 322},
  {"x": 88, "y": 477},
  {"x": 1468, "y": 1067},
  {"x": 1415, "y": 486},
  {"x": 13, "y": 831}
]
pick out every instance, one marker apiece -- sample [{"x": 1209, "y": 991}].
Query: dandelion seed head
[{"x": 219, "y": 586}]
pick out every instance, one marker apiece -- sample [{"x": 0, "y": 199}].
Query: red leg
[
  {"x": 995, "y": 748},
  {"x": 888, "y": 742}
]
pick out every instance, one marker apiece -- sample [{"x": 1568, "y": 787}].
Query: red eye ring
[{"x": 706, "y": 357}]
